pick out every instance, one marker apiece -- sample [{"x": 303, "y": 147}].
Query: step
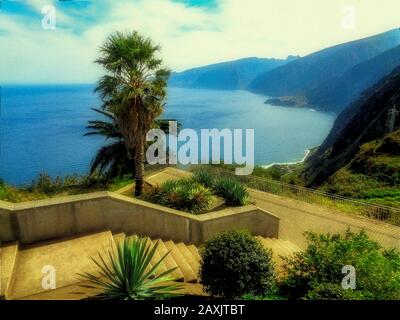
[
  {"x": 284, "y": 250},
  {"x": 188, "y": 273},
  {"x": 156, "y": 258},
  {"x": 169, "y": 261},
  {"x": 274, "y": 245},
  {"x": 8, "y": 265},
  {"x": 194, "y": 251},
  {"x": 291, "y": 246},
  {"x": 71, "y": 292},
  {"x": 277, "y": 253},
  {"x": 135, "y": 237},
  {"x": 269, "y": 244},
  {"x": 190, "y": 259},
  {"x": 119, "y": 238},
  {"x": 77, "y": 292},
  {"x": 69, "y": 258}
]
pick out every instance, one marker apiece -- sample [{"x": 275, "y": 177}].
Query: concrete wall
[
  {"x": 6, "y": 225},
  {"x": 62, "y": 217}
]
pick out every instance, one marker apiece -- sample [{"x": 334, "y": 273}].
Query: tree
[
  {"x": 134, "y": 90},
  {"x": 316, "y": 272}
]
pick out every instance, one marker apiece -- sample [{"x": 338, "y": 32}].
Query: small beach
[{"x": 307, "y": 153}]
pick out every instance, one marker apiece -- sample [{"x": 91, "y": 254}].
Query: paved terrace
[{"x": 297, "y": 216}]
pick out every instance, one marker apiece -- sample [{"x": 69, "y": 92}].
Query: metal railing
[{"x": 327, "y": 200}]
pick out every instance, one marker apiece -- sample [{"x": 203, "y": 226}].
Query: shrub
[
  {"x": 234, "y": 193},
  {"x": 377, "y": 270},
  {"x": 185, "y": 195},
  {"x": 273, "y": 294},
  {"x": 45, "y": 184},
  {"x": 204, "y": 178},
  {"x": 234, "y": 263},
  {"x": 9, "y": 193},
  {"x": 329, "y": 291}
]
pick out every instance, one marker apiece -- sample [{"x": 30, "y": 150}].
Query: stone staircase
[
  {"x": 21, "y": 272},
  {"x": 280, "y": 248}
]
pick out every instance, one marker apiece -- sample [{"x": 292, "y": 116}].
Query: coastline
[{"x": 307, "y": 153}]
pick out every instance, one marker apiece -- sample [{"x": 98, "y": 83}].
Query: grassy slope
[
  {"x": 373, "y": 174},
  {"x": 46, "y": 187}
]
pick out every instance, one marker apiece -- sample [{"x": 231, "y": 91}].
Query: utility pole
[{"x": 391, "y": 119}]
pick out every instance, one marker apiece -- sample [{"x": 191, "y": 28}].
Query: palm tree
[
  {"x": 114, "y": 159},
  {"x": 134, "y": 90},
  {"x": 127, "y": 273}
]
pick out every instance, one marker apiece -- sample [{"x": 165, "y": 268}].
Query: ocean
[{"x": 42, "y": 126}]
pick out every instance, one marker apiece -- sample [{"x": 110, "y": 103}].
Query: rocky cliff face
[
  {"x": 363, "y": 121},
  {"x": 341, "y": 91}
]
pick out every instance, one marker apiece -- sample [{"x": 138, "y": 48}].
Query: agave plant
[{"x": 126, "y": 273}]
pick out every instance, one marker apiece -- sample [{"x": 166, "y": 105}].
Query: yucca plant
[{"x": 126, "y": 273}]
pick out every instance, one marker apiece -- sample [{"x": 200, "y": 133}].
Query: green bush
[
  {"x": 204, "y": 178},
  {"x": 381, "y": 193},
  {"x": 273, "y": 294},
  {"x": 45, "y": 186},
  {"x": 8, "y": 193},
  {"x": 234, "y": 193},
  {"x": 185, "y": 195},
  {"x": 234, "y": 263},
  {"x": 377, "y": 270},
  {"x": 329, "y": 291}
]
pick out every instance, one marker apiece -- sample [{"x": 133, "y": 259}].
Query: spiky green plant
[
  {"x": 186, "y": 195},
  {"x": 126, "y": 273},
  {"x": 234, "y": 192},
  {"x": 204, "y": 178}
]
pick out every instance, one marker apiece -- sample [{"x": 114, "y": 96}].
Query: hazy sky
[{"x": 191, "y": 32}]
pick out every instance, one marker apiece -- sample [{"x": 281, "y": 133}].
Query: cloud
[{"x": 189, "y": 35}]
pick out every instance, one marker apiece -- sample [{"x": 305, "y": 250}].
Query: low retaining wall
[{"x": 63, "y": 217}]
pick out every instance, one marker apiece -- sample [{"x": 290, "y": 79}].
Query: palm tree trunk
[{"x": 139, "y": 168}]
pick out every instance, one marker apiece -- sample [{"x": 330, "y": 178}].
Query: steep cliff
[{"x": 365, "y": 121}]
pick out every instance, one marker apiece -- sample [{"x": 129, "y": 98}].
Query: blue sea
[{"x": 42, "y": 127}]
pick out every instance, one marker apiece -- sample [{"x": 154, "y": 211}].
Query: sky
[{"x": 191, "y": 32}]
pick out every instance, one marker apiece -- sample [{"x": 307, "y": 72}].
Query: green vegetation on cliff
[
  {"x": 46, "y": 187},
  {"x": 373, "y": 174}
]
